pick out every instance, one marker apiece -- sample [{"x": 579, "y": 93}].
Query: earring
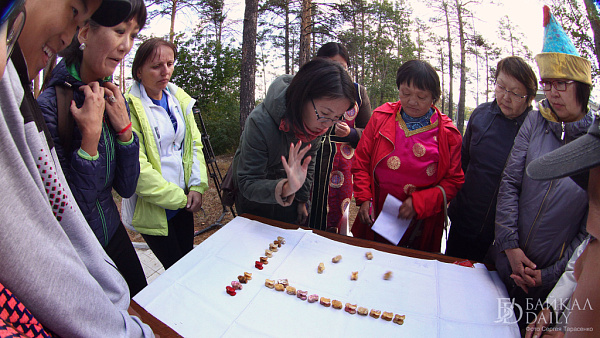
[{"x": 82, "y": 46}]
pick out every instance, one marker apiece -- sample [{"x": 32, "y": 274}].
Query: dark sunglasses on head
[{"x": 13, "y": 16}]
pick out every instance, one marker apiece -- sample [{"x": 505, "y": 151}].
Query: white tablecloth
[{"x": 438, "y": 299}]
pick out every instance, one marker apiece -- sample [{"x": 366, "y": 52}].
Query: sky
[{"x": 527, "y": 15}]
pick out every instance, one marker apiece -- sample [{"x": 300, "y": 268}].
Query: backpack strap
[{"x": 64, "y": 96}]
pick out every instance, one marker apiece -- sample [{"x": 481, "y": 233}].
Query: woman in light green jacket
[{"x": 172, "y": 167}]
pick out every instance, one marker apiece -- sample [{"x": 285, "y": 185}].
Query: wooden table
[{"x": 159, "y": 328}]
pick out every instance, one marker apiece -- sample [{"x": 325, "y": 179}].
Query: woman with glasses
[
  {"x": 274, "y": 165},
  {"x": 332, "y": 189},
  {"x": 487, "y": 142},
  {"x": 411, "y": 151},
  {"x": 540, "y": 223}
]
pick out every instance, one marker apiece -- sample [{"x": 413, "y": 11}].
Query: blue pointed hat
[{"x": 559, "y": 58}]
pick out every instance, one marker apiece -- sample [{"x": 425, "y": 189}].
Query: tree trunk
[
  {"x": 362, "y": 47},
  {"x": 172, "y": 29},
  {"x": 248, "y": 71},
  {"x": 450, "y": 61},
  {"x": 305, "y": 32},
  {"x": 287, "y": 37},
  {"x": 460, "y": 114},
  {"x": 443, "y": 87},
  {"x": 487, "y": 78},
  {"x": 477, "y": 75},
  {"x": 592, "y": 14}
]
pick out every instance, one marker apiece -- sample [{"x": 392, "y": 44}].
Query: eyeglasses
[
  {"x": 513, "y": 95},
  {"x": 323, "y": 118},
  {"x": 559, "y": 85},
  {"x": 13, "y": 16}
]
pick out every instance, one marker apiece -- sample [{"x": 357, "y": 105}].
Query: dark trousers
[
  {"x": 121, "y": 251},
  {"x": 180, "y": 240},
  {"x": 465, "y": 247}
]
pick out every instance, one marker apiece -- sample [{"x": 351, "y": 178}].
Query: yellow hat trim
[{"x": 564, "y": 66}]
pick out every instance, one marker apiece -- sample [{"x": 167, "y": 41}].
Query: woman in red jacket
[{"x": 411, "y": 151}]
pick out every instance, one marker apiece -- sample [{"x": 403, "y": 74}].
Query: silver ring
[{"x": 112, "y": 99}]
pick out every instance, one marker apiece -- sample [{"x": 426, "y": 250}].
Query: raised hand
[
  {"x": 295, "y": 168},
  {"x": 89, "y": 116}
]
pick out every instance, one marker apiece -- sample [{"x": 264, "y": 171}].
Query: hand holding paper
[{"x": 388, "y": 224}]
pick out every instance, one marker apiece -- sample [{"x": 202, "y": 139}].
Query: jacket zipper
[
  {"x": 537, "y": 215},
  {"x": 103, "y": 221},
  {"x": 110, "y": 154},
  {"x": 110, "y": 150}
]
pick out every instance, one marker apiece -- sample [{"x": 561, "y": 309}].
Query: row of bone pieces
[
  {"x": 243, "y": 279},
  {"x": 283, "y": 284},
  {"x": 273, "y": 247}
]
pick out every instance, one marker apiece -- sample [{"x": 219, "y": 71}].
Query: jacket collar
[
  {"x": 391, "y": 108},
  {"x": 274, "y": 102},
  {"x": 571, "y": 130}
]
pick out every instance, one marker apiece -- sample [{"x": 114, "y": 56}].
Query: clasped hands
[{"x": 524, "y": 271}]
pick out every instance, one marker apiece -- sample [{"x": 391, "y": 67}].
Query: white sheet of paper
[{"x": 388, "y": 224}]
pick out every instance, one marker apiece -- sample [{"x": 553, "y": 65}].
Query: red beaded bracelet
[{"x": 124, "y": 129}]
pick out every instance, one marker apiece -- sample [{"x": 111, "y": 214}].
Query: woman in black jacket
[
  {"x": 490, "y": 135},
  {"x": 92, "y": 132}
]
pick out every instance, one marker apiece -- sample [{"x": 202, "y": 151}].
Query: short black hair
[
  {"x": 73, "y": 54},
  {"x": 582, "y": 94},
  {"x": 521, "y": 71},
  {"x": 316, "y": 79},
  {"x": 419, "y": 74},
  {"x": 332, "y": 49},
  {"x": 146, "y": 50}
]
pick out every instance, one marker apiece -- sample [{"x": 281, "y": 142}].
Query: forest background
[{"x": 229, "y": 52}]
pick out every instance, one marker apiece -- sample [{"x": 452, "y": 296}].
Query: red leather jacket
[{"x": 377, "y": 142}]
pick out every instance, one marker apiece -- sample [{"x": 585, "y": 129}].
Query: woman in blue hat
[{"x": 540, "y": 223}]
